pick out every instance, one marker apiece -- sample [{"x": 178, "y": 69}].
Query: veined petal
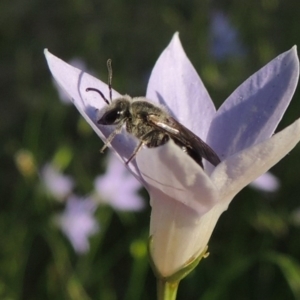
[
  {"x": 175, "y": 83},
  {"x": 171, "y": 173},
  {"x": 74, "y": 82},
  {"x": 238, "y": 170},
  {"x": 253, "y": 111}
]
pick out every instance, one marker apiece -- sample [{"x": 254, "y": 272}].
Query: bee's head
[{"x": 115, "y": 113}]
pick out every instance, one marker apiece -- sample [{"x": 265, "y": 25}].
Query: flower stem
[{"x": 166, "y": 290}]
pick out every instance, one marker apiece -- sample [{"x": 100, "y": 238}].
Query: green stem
[{"x": 166, "y": 290}]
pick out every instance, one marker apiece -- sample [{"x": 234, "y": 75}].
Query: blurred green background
[{"x": 255, "y": 248}]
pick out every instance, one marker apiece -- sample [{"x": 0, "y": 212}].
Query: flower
[
  {"x": 59, "y": 185},
  {"x": 118, "y": 188},
  {"x": 267, "y": 182},
  {"x": 224, "y": 38},
  {"x": 186, "y": 200},
  {"x": 78, "y": 223}
]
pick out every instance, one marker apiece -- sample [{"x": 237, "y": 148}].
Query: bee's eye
[
  {"x": 111, "y": 117},
  {"x": 115, "y": 114}
]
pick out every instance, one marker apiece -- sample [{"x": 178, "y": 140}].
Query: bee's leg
[
  {"x": 136, "y": 150},
  {"x": 111, "y": 137},
  {"x": 150, "y": 143}
]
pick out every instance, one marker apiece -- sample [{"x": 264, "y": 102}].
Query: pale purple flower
[
  {"x": 118, "y": 188},
  {"x": 224, "y": 37},
  {"x": 186, "y": 200},
  {"x": 56, "y": 183},
  {"x": 78, "y": 223},
  {"x": 267, "y": 182}
]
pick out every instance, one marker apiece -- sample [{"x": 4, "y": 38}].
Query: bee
[{"x": 151, "y": 124}]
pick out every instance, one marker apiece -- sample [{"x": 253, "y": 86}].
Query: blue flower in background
[
  {"x": 78, "y": 223},
  {"x": 56, "y": 183},
  {"x": 224, "y": 37},
  {"x": 118, "y": 188},
  {"x": 266, "y": 182}
]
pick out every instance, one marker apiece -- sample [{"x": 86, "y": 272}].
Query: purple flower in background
[
  {"x": 118, "y": 188},
  {"x": 266, "y": 182},
  {"x": 77, "y": 222},
  {"x": 59, "y": 185},
  {"x": 187, "y": 200},
  {"x": 224, "y": 38}
]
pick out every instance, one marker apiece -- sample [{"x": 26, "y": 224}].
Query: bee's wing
[{"x": 180, "y": 133}]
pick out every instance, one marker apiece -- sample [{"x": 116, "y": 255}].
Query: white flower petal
[
  {"x": 171, "y": 173},
  {"x": 77, "y": 63},
  {"x": 178, "y": 234},
  {"x": 253, "y": 111},
  {"x": 238, "y": 170},
  {"x": 175, "y": 83}
]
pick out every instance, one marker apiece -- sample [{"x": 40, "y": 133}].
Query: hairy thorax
[{"x": 140, "y": 127}]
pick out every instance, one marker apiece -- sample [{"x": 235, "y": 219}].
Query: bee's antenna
[
  {"x": 99, "y": 92},
  {"x": 110, "y": 74}
]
